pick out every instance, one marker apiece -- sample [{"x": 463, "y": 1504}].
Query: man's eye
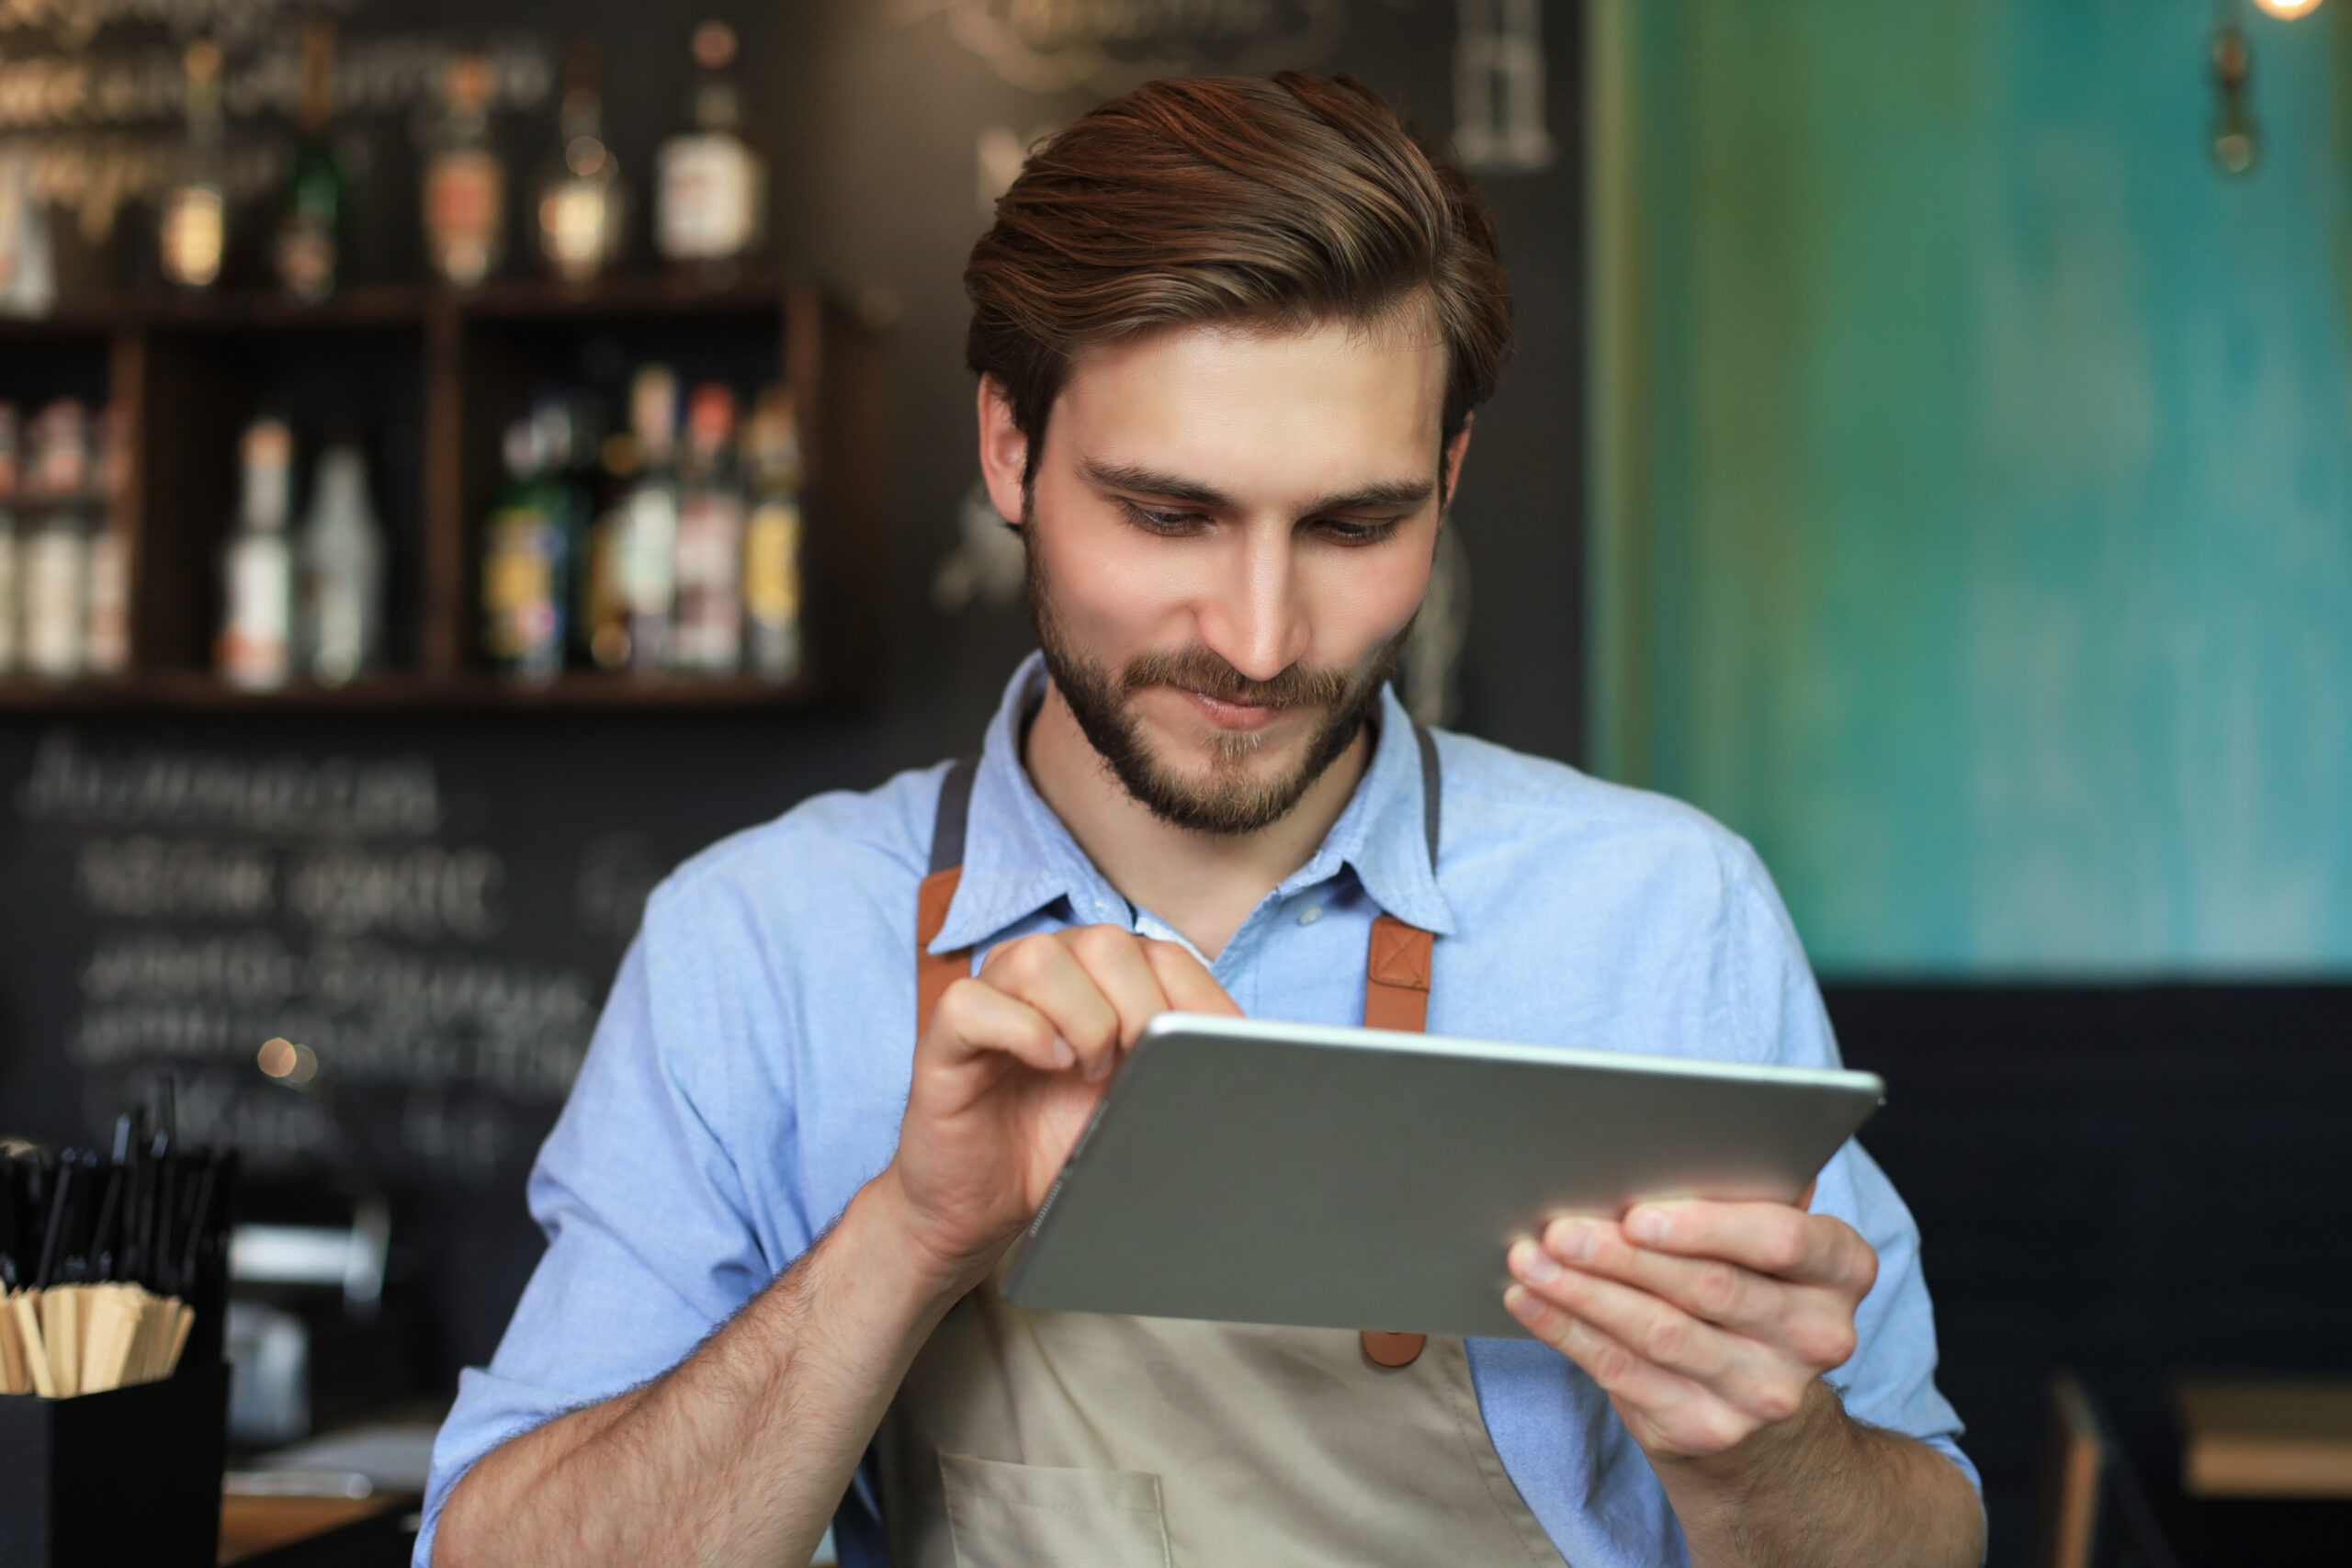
[
  {"x": 1348, "y": 533},
  {"x": 1161, "y": 521}
]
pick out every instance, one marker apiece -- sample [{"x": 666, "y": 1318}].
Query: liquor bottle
[
  {"x": 524, "y": 551},
  {"x": 708, "y": 637},
  {"x": 106, "y": 584},
  {"x": 316, "y": 213},
  {"x": 602, "y": 615},
  {"x": 710, "y": 210},
  {"x": 11, "y": 599},
  {"x": 258, "y": 566},
  {"x": 56, "y": 553},
  {"x": 584, "y": 204},
  {"x": 341, "y": 560},
  {"x": 194, "y": 231},
  {"x": 28, "y": 244},
  {"x": 465, "y": 181},
  {"x": 771, "y": 537},
  {"x": 648, "y": 549}
]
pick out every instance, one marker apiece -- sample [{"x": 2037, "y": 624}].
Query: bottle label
[
  {"x": 261, "y": 612},
  {"x": 772, "y": 563},
  {"x": 306, "y": 257},
  {"x": 772, "y": 588},
  {"x": 708, "y": 208},
  {"x": 522, "y": 614},
  {"x": 194, "y": 226},
  {"x": 572, "y": 227},
  {"x": 709, "y": 632},
  {"x": 649, "y": 560},
  {"x": 106, "y": 624},
  {"x": 464, "y": 194},
  {"x": 54, "y": 561}
]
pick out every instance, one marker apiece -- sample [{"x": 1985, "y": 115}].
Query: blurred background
[{"x": 458, "y": 460}]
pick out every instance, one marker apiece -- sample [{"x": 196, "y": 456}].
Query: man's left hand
[{"x": 1704, "y": 1322}]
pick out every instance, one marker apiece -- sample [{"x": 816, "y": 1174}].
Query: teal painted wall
[{"x": 1973, "y": 512}]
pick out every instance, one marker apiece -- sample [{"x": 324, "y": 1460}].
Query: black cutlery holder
[{"x": 130, "y": 1475}]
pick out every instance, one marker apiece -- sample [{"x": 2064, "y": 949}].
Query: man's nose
[{"x": 1256, "y": 622}]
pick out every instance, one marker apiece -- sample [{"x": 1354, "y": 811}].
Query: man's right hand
[{"x": 1009, "y": 1070}]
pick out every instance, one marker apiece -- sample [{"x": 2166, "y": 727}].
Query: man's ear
[
  {"x": 1004, "y": 451},
  {"x": 1450, "y": 461}
]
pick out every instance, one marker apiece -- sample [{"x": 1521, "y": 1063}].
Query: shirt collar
[{"x": 1018, "y": 857}]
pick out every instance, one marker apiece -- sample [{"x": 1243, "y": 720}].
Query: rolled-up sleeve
[
  {"x": 650, "y": 1243},
  {"x": 1891, "y": 1379}
]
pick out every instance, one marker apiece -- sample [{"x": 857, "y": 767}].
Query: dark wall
[
  {"x": 2136, "y": 1183},
  {"x": 546, "y": 828}
]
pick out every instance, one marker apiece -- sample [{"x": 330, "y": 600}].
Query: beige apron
[{"x": 1044, "y": 1440}]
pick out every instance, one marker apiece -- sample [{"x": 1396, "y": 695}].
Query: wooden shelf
[
  {"x": 393, "y": 305},
  {"x": 193, "y": 690},
  {"x": 450, "y": 368}
]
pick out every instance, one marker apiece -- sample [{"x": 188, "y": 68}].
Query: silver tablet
[{"x": 1253, "y": 1172}]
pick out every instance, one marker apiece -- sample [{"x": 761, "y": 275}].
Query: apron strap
[
  {"x": 934, "y": 972},
  {"x": 1397, "y": 963}
]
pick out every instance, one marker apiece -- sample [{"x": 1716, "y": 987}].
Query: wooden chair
[{"x": 2093, "y": 1514}]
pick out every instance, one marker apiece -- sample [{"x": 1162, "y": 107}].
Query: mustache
[{"x": 1203, "y": 670}]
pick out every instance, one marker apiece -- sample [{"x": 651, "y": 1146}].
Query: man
[{"x": 1229, "y": 336}]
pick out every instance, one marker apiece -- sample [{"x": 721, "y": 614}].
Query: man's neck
[{"x": 1203, "y": 885}]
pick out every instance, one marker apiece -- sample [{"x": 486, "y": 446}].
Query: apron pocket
[{"x": 1026, "y": 1516}]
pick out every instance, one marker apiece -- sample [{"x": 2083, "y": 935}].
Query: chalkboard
[
  {"x": 435, "y": 905},
  {"x": 435, "y": 909}
]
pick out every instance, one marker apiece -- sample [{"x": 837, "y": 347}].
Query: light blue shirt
[{"x": 751, "y": 1065}]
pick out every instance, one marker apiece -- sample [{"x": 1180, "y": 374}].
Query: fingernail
[
  {"x": 1100, "y": 1068},
  {"x": 1569, "y": 1240},
  {"x": 1530, "y": 1262},
  {"x": 1521, "y": 1303},
  {"x": 1648, "y": 1224},
  {"x": 1064, "y": 1052}
]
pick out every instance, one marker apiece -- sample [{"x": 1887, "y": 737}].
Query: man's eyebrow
[
  {"x": 1148, "y": 481},
  {"x": 1404, "y": 494}
]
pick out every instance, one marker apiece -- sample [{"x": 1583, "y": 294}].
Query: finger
[
  {"x": 1650, "y": 1327},
  {"x": 974, "y": 1019},
  {"x": 1042, "y": 972},
  {"x": 1760, "y": 1383},
  {"x": 1770, "y": 1238},
  {"x": 1810, "y": 1323},
  {"x": 1662, "y": 1409},
  {"x": 1114, "y": 959},
  {"x": 1721, "y": 1292},
  {"x": 1187, "y": 982}
]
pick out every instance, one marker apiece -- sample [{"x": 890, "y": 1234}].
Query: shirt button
[{"x": 1311, "y": 914}]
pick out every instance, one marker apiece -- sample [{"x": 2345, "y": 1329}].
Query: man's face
[{"x": 1229, "y": 535}]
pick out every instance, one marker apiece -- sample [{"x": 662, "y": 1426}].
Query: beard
[{"x": 1234, "y": 799}]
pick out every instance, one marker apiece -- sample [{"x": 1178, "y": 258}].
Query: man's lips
[{"x": 1224, "y": 714}]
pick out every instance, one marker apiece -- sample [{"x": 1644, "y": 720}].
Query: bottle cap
[
  {"x": 710, "y": 417},
  {"x": 713, "y": 45}
]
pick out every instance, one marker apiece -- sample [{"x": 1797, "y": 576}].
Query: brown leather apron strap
[
  {"x": 1396, "y": 995},
  {"x": 1397, "y": 977},
  {"x": 934, "y": 972}
]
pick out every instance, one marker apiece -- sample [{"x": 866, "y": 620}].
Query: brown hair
[{"x": 1286, "y": 202}]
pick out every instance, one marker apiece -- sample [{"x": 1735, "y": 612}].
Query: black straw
[
  {"x": 102, "y": 1253},
  {"x": 195, "y": 1223},
  {"x": 56, "y": 1224}
]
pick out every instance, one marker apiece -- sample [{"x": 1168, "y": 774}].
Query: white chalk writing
[{"x": 337, "y": 797}]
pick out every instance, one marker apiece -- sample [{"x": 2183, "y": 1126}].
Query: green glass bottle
[{"x": 314, "y": 217}]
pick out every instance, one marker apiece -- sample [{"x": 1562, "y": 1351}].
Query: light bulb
[{"x": 2287, "y": 10}]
